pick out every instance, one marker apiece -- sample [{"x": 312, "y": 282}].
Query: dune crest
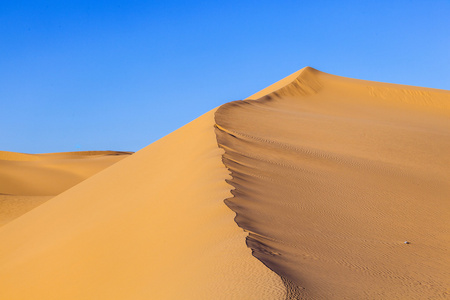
[
  {"x": 333, "y": 175},
  {"x": 327, "y": 176}
]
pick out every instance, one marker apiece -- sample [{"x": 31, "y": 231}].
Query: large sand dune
[
  {"x": 152, "y": 226},
  {"x": 332, "y": 175},
  {"x": 329, "y": 177}
]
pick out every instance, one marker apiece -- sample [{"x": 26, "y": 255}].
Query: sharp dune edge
[
  {"x": 329, "y": 176},
  {"x": 332, "y": 175}
]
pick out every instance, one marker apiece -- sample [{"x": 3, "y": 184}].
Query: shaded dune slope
[
  {"x": 152, "y": 226},
  {"x": 329, "y": 177},
  {"x": 332, "y": 175}
]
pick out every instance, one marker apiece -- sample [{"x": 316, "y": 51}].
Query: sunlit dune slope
[
  {"x": 152, "y": 226},
  {"x": 333, "y": 175},
  {"x": 330, "y": 176},
  {"x": 28, "y": 180}
]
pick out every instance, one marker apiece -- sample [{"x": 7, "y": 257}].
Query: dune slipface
[
  {"x": 329, "y": 177},
  {"x": 343, "y": 185}
]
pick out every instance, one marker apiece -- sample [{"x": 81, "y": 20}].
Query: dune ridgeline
[{"x": 317, "y": 187}]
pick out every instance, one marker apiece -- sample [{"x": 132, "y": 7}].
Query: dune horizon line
[{"x": 326, "y": 178}]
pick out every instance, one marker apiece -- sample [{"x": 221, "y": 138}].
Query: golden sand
[
  {"x": 28, "y": 180},
  {"x": 332, "y": 175},
  {"x": 328, "y": 176}
]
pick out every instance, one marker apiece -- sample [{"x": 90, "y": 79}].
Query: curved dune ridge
[
  {"x": 28, "y": 180},
  {"x": 333, "y": 175},
  {"x": 328, "y": 177}
]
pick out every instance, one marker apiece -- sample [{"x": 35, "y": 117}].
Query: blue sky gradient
[{"x": 99, "y": 75}]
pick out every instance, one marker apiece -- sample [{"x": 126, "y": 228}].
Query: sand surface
[
  {"x": 28, "y": 180},
  {"x": 328, "y": 177},
  {"x": 50, "y": 174},
  {"x": 332, "y": 175},
  {"x": 152, "y": 226}
]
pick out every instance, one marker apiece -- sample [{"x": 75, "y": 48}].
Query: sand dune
[
  {"x": 28, "y": 180},
  {"x": 332, "y": 175},
  {"x": 329, "y": 177},
  {"x": 50, "y": 174},
  {"x": 152, "y": 226}
]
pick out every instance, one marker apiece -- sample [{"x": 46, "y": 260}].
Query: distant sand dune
[
  {"x": 51, "y": 173},
  {"x": 28, "y": 180},
  {"x": 328, "y": 176}
]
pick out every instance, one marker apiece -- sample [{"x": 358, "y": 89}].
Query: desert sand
[
  {"x": 28, "y": 180},
  {"x": 333, "y": 175},
  {"x": 308, "y": 189},
  {"x": 151, "y": 226}
]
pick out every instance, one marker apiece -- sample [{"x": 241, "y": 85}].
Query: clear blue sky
[{"x": 98, "y": 75}]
